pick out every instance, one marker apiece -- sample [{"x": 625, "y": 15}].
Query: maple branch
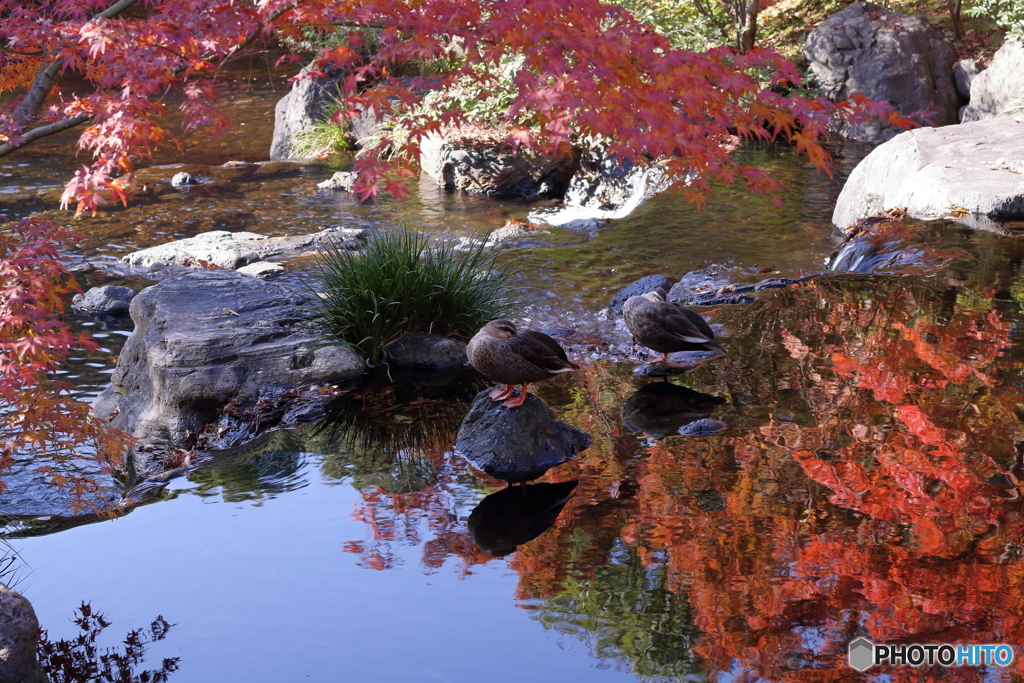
[
  {"x": 44, "y": 131},
  {"x": 29, "y": 107}
]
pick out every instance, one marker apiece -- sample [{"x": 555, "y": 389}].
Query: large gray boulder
[
  {"x": 491, "y": 170},
  {"x": 19, "y": 635},
  {"x": 301, "y": 109},
  {"x": 887, "y": 56},
  {"x": 973, "y": 172},
  {"x": 994, "y": 90},
  {"x": 516, "y": 444},
  {"x": 205, "y": 338}
]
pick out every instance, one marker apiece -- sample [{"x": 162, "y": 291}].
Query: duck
[
  {"x": 666, "y": 327},
  {"x": 503, "y": 354}
]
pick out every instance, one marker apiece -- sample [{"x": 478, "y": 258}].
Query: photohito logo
[{"x": 864, "y": 654}]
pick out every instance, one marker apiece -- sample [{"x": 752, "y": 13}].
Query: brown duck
[
  {"x": 502, "y": 354},
  {"x": 666, "y": 327}
]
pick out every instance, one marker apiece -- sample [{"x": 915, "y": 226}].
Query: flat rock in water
[
  {"x": 205, "y": 338},
  {"x": 971, "y": 172},
  {"x": 516, "y": 444},
  {"x": 107, "y": 300},
  {"x": 341, "y": 181},
  {"x": 232, "y": 250},
  {"x": 434, "y": 351},
  {"x": 262, "y": 269},
  {"x": 19, "y": 634},
  {"x": 696, "y": 283}
]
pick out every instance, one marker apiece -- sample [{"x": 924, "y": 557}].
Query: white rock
[{"x": 970, "y": 172}]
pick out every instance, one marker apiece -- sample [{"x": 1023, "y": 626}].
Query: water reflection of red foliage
[{"x": 870, "y": 490}]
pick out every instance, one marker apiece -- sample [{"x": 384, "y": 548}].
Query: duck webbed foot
[
  {"x": 501, "y": 392},
  {"x": 518, "y": 401}
]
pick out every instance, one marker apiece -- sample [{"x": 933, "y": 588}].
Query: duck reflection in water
[
  {"x": 505, "y": 520},
  {"x": 660, "y": 409}
]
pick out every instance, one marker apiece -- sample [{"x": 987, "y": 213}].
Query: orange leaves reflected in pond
[{"x": 866, "y": 485}]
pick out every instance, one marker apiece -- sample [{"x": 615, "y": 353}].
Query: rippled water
[{"x": 865, "y": 482}]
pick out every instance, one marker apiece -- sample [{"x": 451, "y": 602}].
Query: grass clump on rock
[{"x": 401, "y": 283}]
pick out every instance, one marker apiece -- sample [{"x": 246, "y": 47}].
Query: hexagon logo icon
[{"x": 862, "y": 654}]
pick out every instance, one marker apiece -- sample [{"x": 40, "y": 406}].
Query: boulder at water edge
[
  {"x": 490, "y": 170},
  {"x": 105, "y": 300},
  {"x": 302, "y": 108},
  {"x": 994, "y": 90},
  {"x": 973, "y": 172},
  {"x": 207, "y": 337},
  {"x": 19, "y": 634},
  {"x": 887, "y": 56},
  {"x": 516, "y": 444}
]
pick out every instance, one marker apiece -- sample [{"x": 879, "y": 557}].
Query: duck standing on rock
[
  {"x": 667, "y": 327},
  {"x": 502, "y": 354}
]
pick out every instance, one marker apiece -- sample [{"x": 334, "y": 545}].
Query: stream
[{"x": 864, "y": 484}]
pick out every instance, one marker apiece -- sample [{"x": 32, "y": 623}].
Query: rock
[
  {"x": 205, "y": 338},
  {"x": 703, "y": 427},
  {"x": 972, "y": 172},
  {"x": 995, "y": 89},
  {"x": 963, "y": 75},
  {"x": 19, "y": 635},
  {"x": 638, "y": 288},
  {"x": 232, "y": 250},
  {"x": 886, "y": 56},
  {"x": 516, "y": 444},
  {"x": 490, "y": 170},
  {"x": 107, "y": 300},
  {"x": 604, "y": 188},
  {"x": 418, "y": 350},
  {"x": 301, "y": 108},
  {"x": 697, "y": 282},
  {"x": 341, "y": 181},
  {"x": 182, "y": 180},
  {"x": 262, "y": 269}
]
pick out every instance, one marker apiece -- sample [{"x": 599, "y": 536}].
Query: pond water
[{"x": 865, "y": 483}]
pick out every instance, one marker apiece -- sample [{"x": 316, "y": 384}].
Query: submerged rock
[
  {"x": 516, "y": 444},
  {"x": 19, "y": 635},
  {"x": 105, "y": 300},
  {"x": 994, "y": 90},
  {"x": 433, "y": 351},
  {"x": 869, "y": 50},
  {"x": 972, "y": 173},
  {"x": 205, "y": 338},
  {"x": 232, "y": 250}
]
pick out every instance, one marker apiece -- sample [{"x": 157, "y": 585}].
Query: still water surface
[{"x": 865, "y": 482}]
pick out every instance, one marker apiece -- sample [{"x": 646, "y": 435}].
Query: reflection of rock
[
  {"x": 661, "y": 408},
  {"x": 515, "y": 515},
  {"x": 517, "y": 444},
  {"x": 19, "y": 632},
  {"x": 205, "y": 338}
]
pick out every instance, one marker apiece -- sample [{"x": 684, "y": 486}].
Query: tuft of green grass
[{"x": 401, "y": 283}]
